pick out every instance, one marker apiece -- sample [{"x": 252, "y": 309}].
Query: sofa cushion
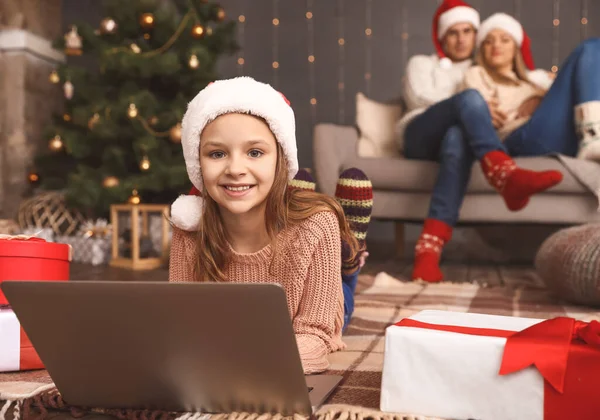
[
  {"x": 375, "y": 122},
  {"x": 419, "y": 176}
]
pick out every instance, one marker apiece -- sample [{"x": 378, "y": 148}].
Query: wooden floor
[{"x": 381, "y": 259}]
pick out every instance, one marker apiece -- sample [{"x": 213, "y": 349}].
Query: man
[
  {"x": 430, "y": 79},
  {"x": 447, "y": 127}
]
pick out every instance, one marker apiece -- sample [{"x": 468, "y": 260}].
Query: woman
[{"x": 565, "y": 119}]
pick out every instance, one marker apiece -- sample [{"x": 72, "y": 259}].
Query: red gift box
[{"x": 27, "y": 258}]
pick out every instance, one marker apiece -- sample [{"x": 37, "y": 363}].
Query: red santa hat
[
  {"x": 237, "y": 95},
  {"x": 448, "y": 14},
  {"x": 514, "y": 28}
]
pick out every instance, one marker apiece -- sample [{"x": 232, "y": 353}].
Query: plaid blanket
[{"x": 381, "y": 300}]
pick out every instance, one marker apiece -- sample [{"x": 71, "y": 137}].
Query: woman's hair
[
  {"x": 519, "y": 67},
  {"x": 285, "y": 207}
]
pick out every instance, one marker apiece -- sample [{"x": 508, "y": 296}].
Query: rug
[{"x": 381, "y": 301}]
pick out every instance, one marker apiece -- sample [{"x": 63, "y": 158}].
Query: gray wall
[{"x": 386, "y": 52}]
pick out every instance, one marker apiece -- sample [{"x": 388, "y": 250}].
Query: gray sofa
[{"x": 402, "y": 187}]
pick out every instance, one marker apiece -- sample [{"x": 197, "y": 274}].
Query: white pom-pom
[
  {"x": 186, "y": 212},
  {"x": 445, "y": 63}
]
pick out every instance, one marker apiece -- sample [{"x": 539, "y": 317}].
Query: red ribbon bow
[
  {"x": 565, "y": 351},
  {"x": 546, "y": 346}
]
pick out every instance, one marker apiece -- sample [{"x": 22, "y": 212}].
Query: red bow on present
[{"x": 546, "y": 346}]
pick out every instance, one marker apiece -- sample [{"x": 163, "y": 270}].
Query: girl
[{"x": 239, "y": 144}]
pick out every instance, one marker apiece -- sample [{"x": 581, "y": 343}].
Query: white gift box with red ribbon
[{"x": 473, "y": 366}]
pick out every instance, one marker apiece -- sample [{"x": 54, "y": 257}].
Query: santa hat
[
  {"x": 237, "y": 95},
  {"x": 514, "y": 28},
  {"x": 448, "y": 14}
]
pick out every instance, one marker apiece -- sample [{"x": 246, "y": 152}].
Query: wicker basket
[{"x": 48, "y": 209}]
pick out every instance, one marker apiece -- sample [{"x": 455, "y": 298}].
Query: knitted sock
[
  {"x": 587, "y": 125},
  {"x": 354, "y": 192},
  {"x": 303, "y": 181},
  {"x": 515, "y": 185},
  {"x": 428, "y": 250}
]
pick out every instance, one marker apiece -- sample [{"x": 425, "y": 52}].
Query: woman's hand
[
  {"x": 498, "y": 117},
  {"x": 528, "y": 107}
]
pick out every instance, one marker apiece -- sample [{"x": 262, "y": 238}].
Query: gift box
[
  {"x": 31, "y": 258},
  {"x": 94, "y": 251},
  {"x": 472, "y": 366},
  {"x": 16, "y": 351}
]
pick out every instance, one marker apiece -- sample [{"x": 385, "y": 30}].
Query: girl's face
[
  {"x": 499, "y": 49},
  {"x": 238, "y": 157}
]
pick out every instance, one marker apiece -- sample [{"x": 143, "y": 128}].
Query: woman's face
[{"x": 499, "y": 49}]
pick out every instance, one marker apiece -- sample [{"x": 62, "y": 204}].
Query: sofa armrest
[{"x": 333, "y": 147}]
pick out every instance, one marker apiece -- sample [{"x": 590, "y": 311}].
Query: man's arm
[{"x": 426, "y": 83}]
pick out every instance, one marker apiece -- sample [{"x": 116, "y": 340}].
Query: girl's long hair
[{"x": 285, "y": 207}]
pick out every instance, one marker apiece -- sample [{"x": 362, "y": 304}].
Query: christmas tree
[{"x": 118, "y": 138}]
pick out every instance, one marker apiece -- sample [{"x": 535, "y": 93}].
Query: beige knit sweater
[
  {"x": 307, "y": 264},
  {"x": 509, "y": 97}
]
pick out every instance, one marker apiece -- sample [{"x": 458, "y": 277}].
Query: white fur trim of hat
[
  {"x": 500, "y": 21},
  {"x": 459, "y": 14},
  {"x": 237, "y": 95}
]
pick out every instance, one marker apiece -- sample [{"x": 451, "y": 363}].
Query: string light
[
  {"x": 132, "y": 111},
  {"x": 401, "y": 31},
  {"x": 310, "y": 26},
  {"x": 54, "y": 77},
  {"x": 241, "y": 39},
  {"x": 584, "y": 19},
  {"x": 275, "y": 37},
  {"x": 555, "y": 35},
  {"x": 368, "y": 34},
  {"x": 194, "y": 63},
  {"x": 517, "y": 7},
  {"x": 145, "y": 163},
  {"x": 341, "y": 62}
]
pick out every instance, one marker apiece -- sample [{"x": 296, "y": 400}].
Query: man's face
[{"x": 459, "y": 41}]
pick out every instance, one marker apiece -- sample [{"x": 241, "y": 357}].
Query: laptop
[{"x": 186, "y": 347}]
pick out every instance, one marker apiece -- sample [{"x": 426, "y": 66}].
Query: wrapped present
[
  {"x": 88, "y": 250},
  {"x": 16, "y": 351},
  {"x": 30, "y": 258},
  {"x": 26, "y": 258},
  {"x": 472, "y": 366}
]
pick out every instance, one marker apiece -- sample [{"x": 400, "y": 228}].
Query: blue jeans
[
  {"x": 454, "y": 132},
  {"x": 349, "y": 287},
  {"x": 551, "y": 128}
]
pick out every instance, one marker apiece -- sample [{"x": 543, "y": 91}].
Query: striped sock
[
  {"x": 354, "y": 192},
  {"x": 303, "y": 181}
]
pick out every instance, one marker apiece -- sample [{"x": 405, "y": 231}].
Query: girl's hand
[
  {"x": 528, "y": 106},
  {"x": 362, "y": 259}
]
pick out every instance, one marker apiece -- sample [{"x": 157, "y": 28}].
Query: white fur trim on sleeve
[
  {"x": 501, "y": 21},
  {"x": 186, "y": 212},
  {"x": 459, "y": 14}
]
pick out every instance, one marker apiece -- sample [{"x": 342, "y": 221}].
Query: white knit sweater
[{"x": 425, "y": 83}]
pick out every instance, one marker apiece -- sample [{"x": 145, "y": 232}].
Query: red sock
[
  {"x": 428, "y": 250},
  {"x": 516, "y": 185}
]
